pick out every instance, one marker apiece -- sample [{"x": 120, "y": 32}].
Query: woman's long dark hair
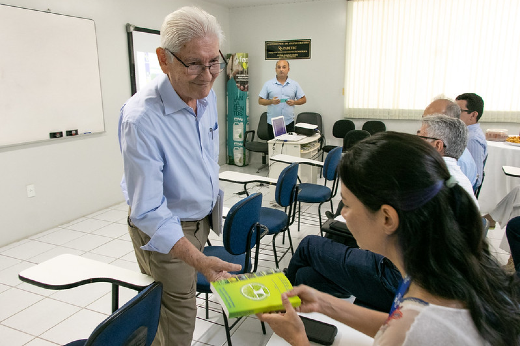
[{"x": 441, "y": 240}]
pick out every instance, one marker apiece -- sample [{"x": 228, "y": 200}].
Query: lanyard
[{"x": 403, "y": 287}]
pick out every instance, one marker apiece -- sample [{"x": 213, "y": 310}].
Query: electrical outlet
[{"x": 31, "y": 191}]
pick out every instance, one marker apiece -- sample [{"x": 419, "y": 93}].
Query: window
[{"x": 403, "y": 53}]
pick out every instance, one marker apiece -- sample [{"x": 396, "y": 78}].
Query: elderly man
[
  {"x": 449, "y": 137},
  {"x": 471, "y": 108},
  {"x": 451, "y": 109},
  {"x": 169, "y": 139},
  {"x": 280, "y": 95}
]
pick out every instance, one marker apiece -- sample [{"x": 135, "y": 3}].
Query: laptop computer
[{"x": 280, "y": 132}]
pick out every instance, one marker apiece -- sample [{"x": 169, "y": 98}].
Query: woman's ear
[{"x": 391, "y": 219}]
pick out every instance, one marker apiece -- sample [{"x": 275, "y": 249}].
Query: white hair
[
  {"x": 453, "y": 132},
  {"x": 185, "y": 24}
]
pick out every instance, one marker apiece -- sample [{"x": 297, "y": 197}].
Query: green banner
[{"x": 237, "y": 90}]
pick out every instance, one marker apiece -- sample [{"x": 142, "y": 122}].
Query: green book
[{"x": 252, "y": 293}]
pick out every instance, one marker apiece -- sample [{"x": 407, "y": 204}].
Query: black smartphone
[{"x": 320, "y": 332}]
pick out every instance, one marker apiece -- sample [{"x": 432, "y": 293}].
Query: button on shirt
[
  {"x": 289, "y": 90},
  {"x": 170, "y": 158},
  {"x": 477, "y": 146}
]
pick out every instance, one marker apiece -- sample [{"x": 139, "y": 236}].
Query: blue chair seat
[
  {"x": 312, "y": 193},
  {"x": 274, "y": 219}
]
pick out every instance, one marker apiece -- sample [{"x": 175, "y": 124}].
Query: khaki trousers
[{"x": 178, "y": 305}]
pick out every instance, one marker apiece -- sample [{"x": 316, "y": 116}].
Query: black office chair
[
  {"x": 338, "y": 230},
  {"x": 257, "y": 146},
  {"x": 353, "y": 137},
  {"x": 339, "y": 130},
  {"x": 135, "y": 323},
  {"x": 314, "y": 119},
  {"x": 477, "y": 189},
  {"x": 374, "y": 126}
]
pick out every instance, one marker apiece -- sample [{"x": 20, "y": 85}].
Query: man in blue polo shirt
[{"x": 280, "y": 95}]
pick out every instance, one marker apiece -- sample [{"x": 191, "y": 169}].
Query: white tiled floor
[{"x": 33, "y": 316}]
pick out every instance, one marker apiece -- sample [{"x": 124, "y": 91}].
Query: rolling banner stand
[{"x": 237, "y": 90}]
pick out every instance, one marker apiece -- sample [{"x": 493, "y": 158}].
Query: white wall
[
  {"x": 78, "y": 176},
  {"x": 322, "y": 76}
]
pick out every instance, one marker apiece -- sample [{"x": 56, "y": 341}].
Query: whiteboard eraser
[{"x": 56, "y": 134}]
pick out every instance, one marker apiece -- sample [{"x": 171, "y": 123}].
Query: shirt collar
[
  {"x": 172, "y": 101},
  {"x": 449, "y": 160},
  {"x": 287, "y": 81}
]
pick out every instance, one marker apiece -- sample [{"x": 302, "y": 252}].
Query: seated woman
[{"x": 400, "y": 202}]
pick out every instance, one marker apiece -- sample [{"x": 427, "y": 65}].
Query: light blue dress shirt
[
  {"x": 467, "y": 166},
  {"x": 289, "y": 90},
  {"x": 477, "y": 146},
  {"x": 170, "y": 158}
]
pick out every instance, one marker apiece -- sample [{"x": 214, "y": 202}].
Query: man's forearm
[
  {"x": 186, "y": 251},
  {"x": 264, "y": 102},
  {"x": 300, "y": 101}
]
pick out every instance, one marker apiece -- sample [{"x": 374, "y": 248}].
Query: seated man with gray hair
[
  {"x": 442, "y": 105},
  {"x": 449, "y": 136}
]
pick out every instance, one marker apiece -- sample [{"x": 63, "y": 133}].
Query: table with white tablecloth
[{"x": 496, "y": 184}]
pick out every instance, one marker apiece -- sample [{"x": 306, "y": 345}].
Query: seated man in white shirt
[{"x": 449, "y": 136}]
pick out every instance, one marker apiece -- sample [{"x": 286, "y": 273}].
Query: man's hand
[
  {"x": 213, "y": 268},
  {"x": 275, "y": 100},
  {"x": 290, "y": 102}
]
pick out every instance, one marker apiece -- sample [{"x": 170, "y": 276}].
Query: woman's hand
[
  {"x": 286, "y": 324},
  {"x": 309, "y": 296}
]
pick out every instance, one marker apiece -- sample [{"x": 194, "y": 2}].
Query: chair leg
[
  {"x": 290, "y": 240},
  {"x": 207, "y": 309},
  {"x": 321, "y": 168},
  {"x": 299, "y": 216},
  {"x": 319, "y": 218},
  {"x": 226, "y": 326},
  {"x": 263, "y": 327},
  {"x": 274, "y": 251}
]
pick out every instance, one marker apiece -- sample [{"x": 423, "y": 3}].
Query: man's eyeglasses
[
  {"x": 466, "y": 110},
  {"x": 196, "y": 69},
  {"x": 433, "y": 138}
]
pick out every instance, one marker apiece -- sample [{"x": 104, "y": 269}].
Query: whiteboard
[{"x": 49, "y": 76}]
